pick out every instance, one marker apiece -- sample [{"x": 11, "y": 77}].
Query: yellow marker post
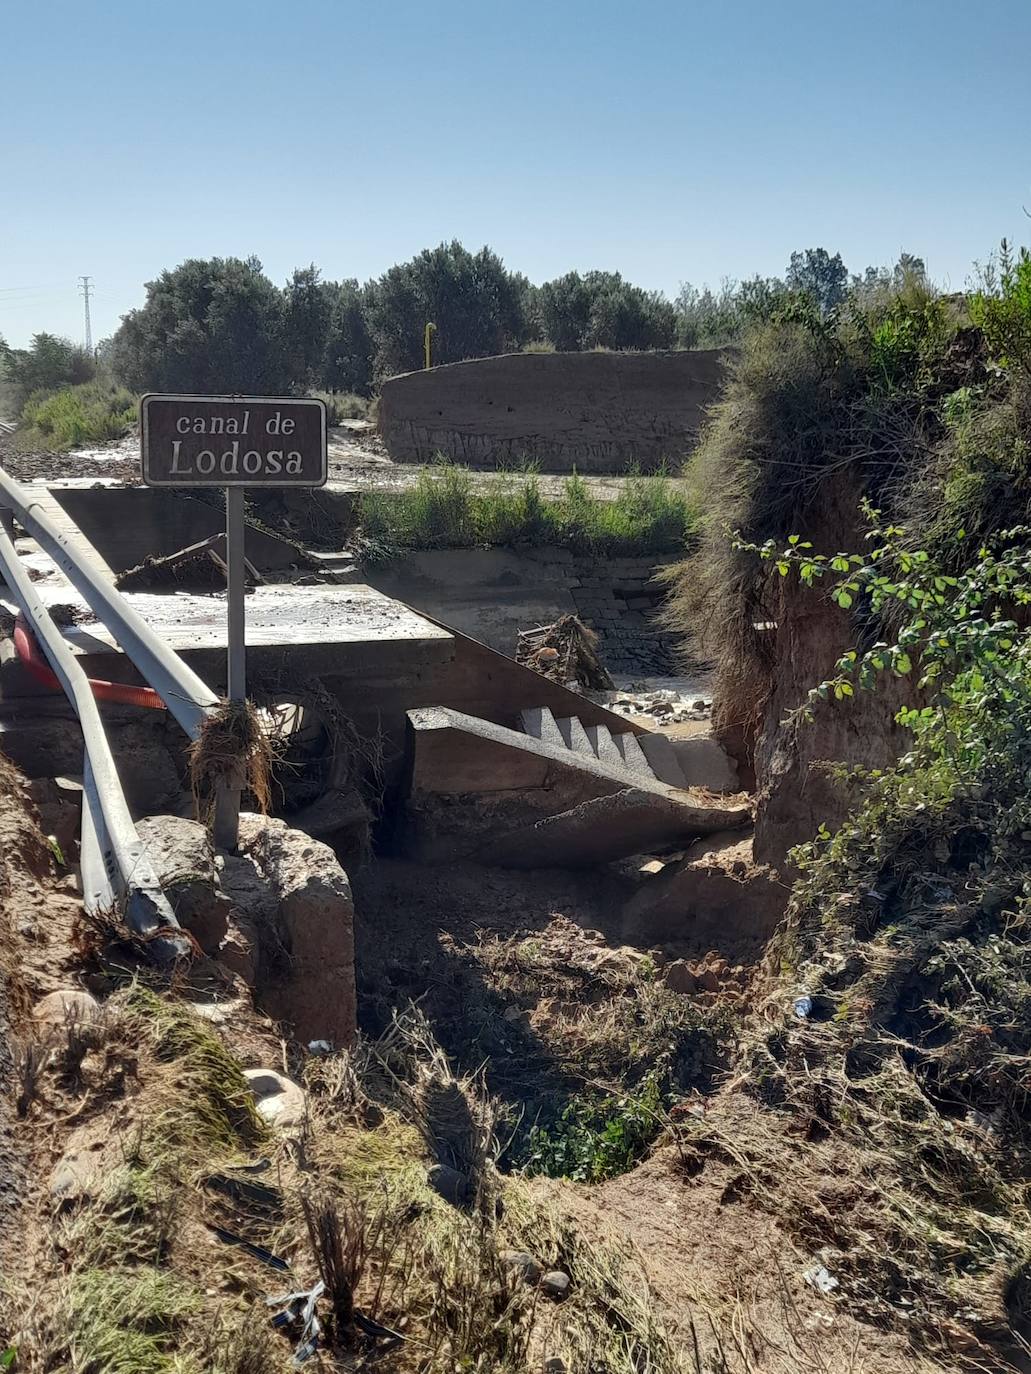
[{"x": 428, "y": 333}]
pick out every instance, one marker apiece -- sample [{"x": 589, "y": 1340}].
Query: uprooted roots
[{"x": 232, "y": 747}]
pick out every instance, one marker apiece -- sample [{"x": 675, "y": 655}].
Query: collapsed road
[{"x": 390, "y": 723}]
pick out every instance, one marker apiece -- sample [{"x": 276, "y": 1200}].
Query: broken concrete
[
  {"x": 607, "y": 827},
  {"x": 278, "y": 913},
  {"x": 298, "y": 900},
  {"x": 705, "y": 763},
  {"x": 707, "y": 899},
  {"x": 188, "y": 870},
  {"x": 481, "y": 791}
]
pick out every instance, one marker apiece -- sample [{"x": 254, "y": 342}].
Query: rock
[
  {"x": 221, "y": 1013},
  {"x": 708, "y": 980},
  {"x": 556, "y": 1284},
  {"x": 76, "y": 1175},
  {"x": 451, "y": 1185},
  {"x": 555, "y": 1364},
  {"x": 279, "y": 1100},
  {"x": 189, "y": 873},
  {"x": 678, "y": 977},
  {"x": 71, "y": 1005},
  {"x": 523, "y": 1264},
  {"x": 698, "y": 705}
]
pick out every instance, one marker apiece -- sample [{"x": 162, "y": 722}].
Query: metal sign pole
[
  {"x": 227, "y": 802},
  {"x": 237, "y": 677}
]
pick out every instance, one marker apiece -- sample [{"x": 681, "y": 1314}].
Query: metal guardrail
[
  {"x": 114, "y": 861},
  {"x": 185, "y": 694}
]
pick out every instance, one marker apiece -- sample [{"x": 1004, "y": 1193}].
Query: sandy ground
[{"x": 357, "y": 458}]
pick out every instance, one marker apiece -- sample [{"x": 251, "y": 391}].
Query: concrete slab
[
  {"x": 599, "y": 830},
  {"x": 276, "y": 615},
  {"x": 663, "y": 761},
  {"x": 293, "y": 634}
]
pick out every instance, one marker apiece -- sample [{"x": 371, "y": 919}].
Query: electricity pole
[{"x": 86, "y": 288}]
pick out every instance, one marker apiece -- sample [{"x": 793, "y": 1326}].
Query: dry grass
[
  {"x": 29, "y": 1058},
  {"x": 232, "y": 748}
]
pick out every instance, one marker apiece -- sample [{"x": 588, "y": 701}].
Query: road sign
[{"x": 233, "y": 441}]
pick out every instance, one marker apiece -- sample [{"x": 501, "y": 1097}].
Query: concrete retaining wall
[
  {"x": 128, "y": 524},
  {"x": 492, "y": 594},
  {"x": 597, "y": 412}
]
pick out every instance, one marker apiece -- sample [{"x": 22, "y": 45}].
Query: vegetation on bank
[
  {"x": 91, "y": 413},
  {"x": 163, "y": 1265},
  {"x": 893, "y": 1133},
  {"x": 447, "y": 508}
]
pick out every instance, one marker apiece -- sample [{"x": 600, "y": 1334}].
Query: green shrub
[
  {"x": 1002, "y": 308},
  {"x": 446, "y": 509},
  {"x": 87, "y": 414},
  {"x": 597, "y": 1138}
]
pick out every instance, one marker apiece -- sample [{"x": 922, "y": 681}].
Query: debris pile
[
  {"x": 567, "y": 652},
  {"x": 665, "y": 705},
  {"x": 199, "y": 567}
]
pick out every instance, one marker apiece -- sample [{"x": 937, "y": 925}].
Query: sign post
[{"x": 233, "y": 442}]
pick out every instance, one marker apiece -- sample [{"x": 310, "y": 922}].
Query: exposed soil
[
  {"x": 534, "y": 975},
  {"x": 707, "y": 1251}
]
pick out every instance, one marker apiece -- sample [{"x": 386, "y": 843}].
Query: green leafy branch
[{"x": 958, "y": 635}]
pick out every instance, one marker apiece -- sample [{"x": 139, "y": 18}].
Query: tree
[
  {"x": 214, "y": 325},
  {"x": 601, "y": 310},
  {"x": 48, "y": 364},
  {"x": 308, "y": 304},
  {"x": 565, "y": 309},
  {"x": 820, "y": 276},
  {"x": 476, "y": 304},
  {"x": 711, "y": 319},
  {"x": 347, "y": 357},
  {"x": 879, "y": 281}
]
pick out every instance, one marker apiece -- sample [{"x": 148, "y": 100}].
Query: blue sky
[{"x": 669, "y": 141}]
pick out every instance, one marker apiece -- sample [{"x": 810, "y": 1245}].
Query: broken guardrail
[
  {"x": 114, "y": 861},
  {"x": 188, "y": 697},
  {"x": 185, "y": 694}
]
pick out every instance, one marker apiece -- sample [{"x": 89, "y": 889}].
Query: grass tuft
[
  {"x": 128, "y": 1321},
  {"x": 447, "y": 509}
]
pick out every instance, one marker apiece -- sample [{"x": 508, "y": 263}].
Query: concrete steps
[
  {"x": 648, "y": 756},
  {"x": 555, "y": 793}
]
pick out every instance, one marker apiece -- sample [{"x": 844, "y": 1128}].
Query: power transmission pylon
[{"x": 85, "y": 288}]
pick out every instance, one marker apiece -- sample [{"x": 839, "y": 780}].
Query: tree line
[{"x": 222, "y": 324}]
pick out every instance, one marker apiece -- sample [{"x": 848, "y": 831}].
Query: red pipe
[{"x": 28, "y": 651}]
